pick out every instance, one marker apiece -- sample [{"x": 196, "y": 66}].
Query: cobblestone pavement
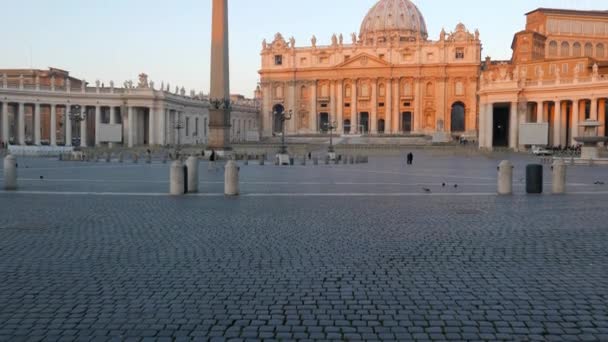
[{"x": 157, "y": 268}]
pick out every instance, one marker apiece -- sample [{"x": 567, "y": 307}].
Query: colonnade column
[
  {"x": 131, "y": 128},
  {"x": 340, "y": 119},
  {"x": 482, "y": 125},
  {"x": 37, "y": 127},
  {"x": 374, "y": 104},
  {"x": 354, "y": 125},
  {"x": 97, "y": 125},
  {"x": 395, "y": 113},
  {"x": 68, "y": 125},
  {"x": 332, "y": 102},
  {"x": 53, "y": 131},
  {"x": 83, "y": 128},
  {"x": 557, "y": 124},
  {"x": 575, "y": 118},
  {"x": 418, "y": 109},
  {"x": 313, "y": 108},
  {"x": 593, "y": 115},
  {"x": 388, "y": 106},
  {"x": 151, "y": 135},
  {"x": 5, "y": 134},
  {"x": 21, "y": 124},
  {"x": 112, "y": 121},
  {"x": 162, "y": 140},
  {"x": 539, "y": 112},
  {"x": 514, "y": 127}
]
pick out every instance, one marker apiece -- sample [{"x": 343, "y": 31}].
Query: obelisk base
[{"x": 219, "y": 131}]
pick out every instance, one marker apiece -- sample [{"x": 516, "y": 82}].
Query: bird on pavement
[
  {"x": 599, "y": 183},
  {"x": 455, "y": 186},
  {"x": 427, "y": 190},
  {"x": 443, "y": 185}
]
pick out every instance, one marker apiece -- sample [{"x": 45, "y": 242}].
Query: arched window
[
  {"x": 429, "y": 89},
  {"x": 576, "y": 50},
  {"x": 588, "y": 50},
  {"x": 458, "y": 117},
  {"x": 565, "y": 50},
  {"x": 599, "y": 51},
  {"x": 277, "y": 110},
  {"x": 553, "y": 49}
]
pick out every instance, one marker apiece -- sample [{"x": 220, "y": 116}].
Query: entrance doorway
[
  {"x": 277, "y": 110},
  {"x": 457, "y": 121},
  {"x": 323, "y": 122},
  {"x": 381, "y": 126},
  {"x": 347, "y": 126},
  {"x": 364, "y": 122},
  {"x": 501, "y": 126},
  {"x": 406, "y": 122}
]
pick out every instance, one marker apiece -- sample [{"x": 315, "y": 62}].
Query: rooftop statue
[{"x": 143, "y": 81}]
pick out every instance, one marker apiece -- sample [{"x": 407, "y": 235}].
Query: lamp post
[
  {"x": 331, "y": 127},
  {"x": 283, "y": 117},
  {"x": 177, "y": 126},
  {"x": 77, "y": 116}
]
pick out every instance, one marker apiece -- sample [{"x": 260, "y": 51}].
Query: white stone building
[{"x": 35, "y": 112}]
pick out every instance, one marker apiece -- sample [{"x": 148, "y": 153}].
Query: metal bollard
[
  {"x": 231, "y": 179},
  {"x": 559, "y": 177},
  {"x": 505, "y": 178},
  {"x": 176, "y": 178},
  {"x": 10, "y": 172},
  {"x": 192, "y": 164}
]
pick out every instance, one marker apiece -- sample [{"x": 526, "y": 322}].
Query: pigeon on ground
[
  {"x": 41, "y": 177},
  {"x": 599, "y": 183},
  {"x": 455, "y": 185},
  {"x": 443, "y": 185},
  {"x": 427, "y": 190}
]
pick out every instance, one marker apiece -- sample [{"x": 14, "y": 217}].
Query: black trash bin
[
  {"x": 534, "y": 179},
  {"x": 185, "y": 179}
]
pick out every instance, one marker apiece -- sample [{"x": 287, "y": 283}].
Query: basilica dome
[{"x": 390, "y": 20}]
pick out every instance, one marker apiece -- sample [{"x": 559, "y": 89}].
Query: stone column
[
  {"x": 482, "y": 124},
  {"x": 354, "y": 123},
  {"x": 418, "y": 111},
  {"x": 332, "y": 101},
  {"x": 37, "y": 126},
  {"x": 83, "y": 129},
  {"x": 5, "y": 132},
  {"x": 313, "y": 108},
  {"x": 340, "y": 119},
  {"x": 53, "y": 130},
  {"x": 219, "y": 116},
  {"x": 162, "y": 127},
  {"x": 97, "y": 125},
  {"x": 21, "y": 124},
  {"x": 602, "y": 117},
  {"x": 388, "y": 106},
  {"x": 374, "y": 105},
  {"x": 539, "y": 112},
  {"x": 513, "y": 127},
  {"x": 593, "y": 114},
  {"x": 151, "y": 125},
  {"x": 112, "y": 121},
  {"x": 575, "y": 123},
  {"x": 557, "y": 124},
  {"x": 396, "y": 105},
  {"x": 68, "y": 125},
  {"x": 131, "y": 126}
]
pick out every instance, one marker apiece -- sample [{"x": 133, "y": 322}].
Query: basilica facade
[{"x": 389, "y": 79}]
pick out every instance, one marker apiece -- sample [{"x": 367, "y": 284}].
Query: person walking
[
  {"x": 212, "y": 158},
  {"x": 410, "y": 158}
]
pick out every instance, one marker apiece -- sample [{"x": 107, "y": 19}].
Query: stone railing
[{"x": 508, "y": 84}]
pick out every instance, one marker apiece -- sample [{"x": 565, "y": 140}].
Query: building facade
[
  {"x": 390, "y": 79},
  {"x": 35, "y": 107},
  {"x": 556, "y": 79}
]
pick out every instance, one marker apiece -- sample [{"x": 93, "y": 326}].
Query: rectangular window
[
  {"x": 347, "y": 105},
  {"x": 278, "y": 60},
  {"x": 459, "y": 53},
  {"x": 323, "y": 105},
  {"x": 406, "y": 104},
  {"x": 381, "y": 104},
  {"x": 187, "y": 126}
]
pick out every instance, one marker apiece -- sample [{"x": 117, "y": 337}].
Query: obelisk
[{"x": 219, "y": 111}]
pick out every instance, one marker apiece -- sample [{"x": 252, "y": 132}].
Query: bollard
[
  {"x": 505, "y": 178},
  {"x": 10, "y": 173},
  {"x": 231, "y": 179},
  {"x": 559, "y": 177},
  {"x": 192, "y": 164},
  {"x": 534, "y": 179},
  {"x": 176, "y": 178}
]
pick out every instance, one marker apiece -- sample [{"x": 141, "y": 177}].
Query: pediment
[{"x": 363, "y": 60}]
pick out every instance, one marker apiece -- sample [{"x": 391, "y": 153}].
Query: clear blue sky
[{"x": 169, "y": 39}]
